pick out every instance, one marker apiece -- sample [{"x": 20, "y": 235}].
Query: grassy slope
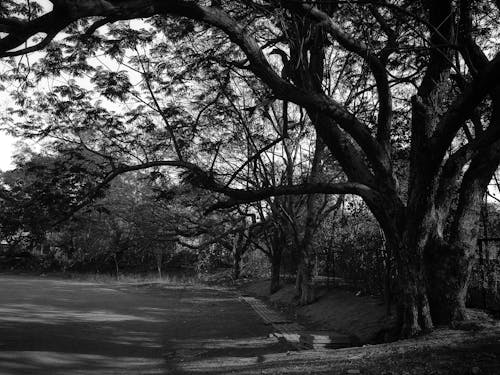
[
  {"x": 337, "y": 310},
  {"x": 474, "y": 349}
]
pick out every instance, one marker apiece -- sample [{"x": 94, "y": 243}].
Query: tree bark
[
  {"x": 403, "y": 239},
  {"x": 237, "y": 252},
  {"x": 117, "y": 269},
  {"x": 237, "y": 265},
  {"x": 275, "y": 270},
  {"x": 158, "y": 267},
  {"x": 415, "y": 310},
  {"x": 448, "y": 269},
  {"x": 450, "y": 263},
  {"x": 158, "y": 252},
  {"x": 304, "y": 282}
]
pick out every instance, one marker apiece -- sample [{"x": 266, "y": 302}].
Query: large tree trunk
[
  {"x": 405, "y": 238},
  {"x": 432, "y": 273},
  {"x": 304, "y": 282},
  {"x": 450, "y": 263},
  {"x": 415, "y": 314},
  {"x": 413, "y": 306},
  {"x": 448, "y": 269}
]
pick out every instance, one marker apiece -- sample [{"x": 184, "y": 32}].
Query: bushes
[{"x": 351, "y": 248}]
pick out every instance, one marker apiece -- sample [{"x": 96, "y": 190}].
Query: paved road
[{"x": 65, "y": 327}]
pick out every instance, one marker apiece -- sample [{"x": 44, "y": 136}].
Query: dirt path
[{"x": 65, "y": 327}]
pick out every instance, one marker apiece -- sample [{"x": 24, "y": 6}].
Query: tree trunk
[
  {"x": 386, "y": 263},
  {"x": 414, "y": 312},
  {"x": 159, "y": 261},
  {"x": 159, "y": 270},
  {"x": 432, "y": 274},
  {"x": 275, "y": 270},
  {"x": 237, "y": 252},
  {"x": 449, "y": 270},
  {"x": 237, "y": 264},
  {"x": 432, "y": 278},
  {"x": 451, "y": 262},
  {"x": 304, "y": 282},
  {"x": 117, "y": 269},
  {"x": 415, "y": 315}
]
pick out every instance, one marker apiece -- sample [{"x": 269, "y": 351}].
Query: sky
[
  {"x": 6, "y": 151},
  {"x": 7, "y": 143}
]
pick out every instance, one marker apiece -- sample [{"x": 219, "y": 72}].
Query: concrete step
[
  {"x": 269, "y": 316},
  {"x": 296, "y": 334}
]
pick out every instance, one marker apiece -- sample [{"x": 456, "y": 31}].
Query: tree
[
  {"x": 435, "y": 55},
  {"x": 41, "y": 191}
]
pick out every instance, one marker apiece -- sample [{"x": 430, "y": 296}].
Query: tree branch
[
  {"x": 253, "y": 157},
  {"x": 463, "y": 107},
  {"x": 374, "y": 63},
  {"x": 70, "y": 10},
  {"x": 240, "y": 196}
]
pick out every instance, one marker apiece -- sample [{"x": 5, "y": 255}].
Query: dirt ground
[{"x": 443, "y": 352}]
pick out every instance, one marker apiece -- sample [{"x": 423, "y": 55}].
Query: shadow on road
[{"x": 60, "y": 327}]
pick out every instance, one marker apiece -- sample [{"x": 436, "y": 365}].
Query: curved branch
[
  {"x": 19, "y": 32},
  {"x": 463, "y": 107},
  {"x": 98, "y": 24},
  {"x": 43, "y": 43},
  {"x": 473, "y": 56},
  {"x": 240, "y": 196}
]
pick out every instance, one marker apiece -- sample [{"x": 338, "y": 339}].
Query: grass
[
  {"x": 130, "y": 278},
  {"x": 174, "y": 277}
]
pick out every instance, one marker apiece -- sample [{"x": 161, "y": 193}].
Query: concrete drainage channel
[{"x": 296, "y": 334}]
